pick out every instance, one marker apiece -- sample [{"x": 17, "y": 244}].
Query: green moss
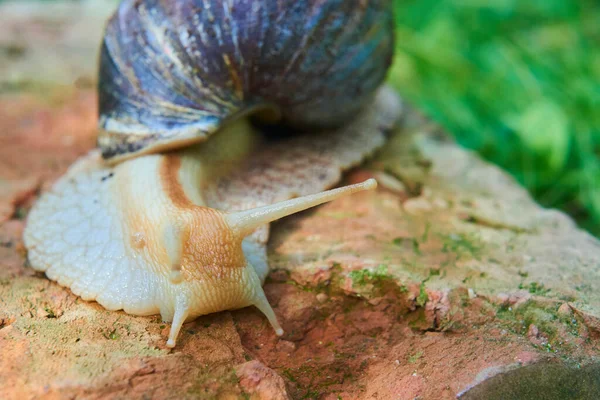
[
  {"x": 20, "y": 213},
  {"x": 414, "y": 243},
  {"x": 426, "y": 231},
  {"x": 542, "y": 318},
  {"x": 422, "y": 298},
  {"x": 287, "y": 372},
  {"x": 559, "y": 330},
  {"x": 112, "y": 335},
  {"x": 418, "y": 320},
  {"x": 461, "y": 245},
  {"x": 416, "y": 247},
  {"x": 434, "y": 272},
  {"x": 399, "y": 241},
  {"x": 415, "y": 357},
  {"x": 364, "y": 276},
  {"x": 535, "y": 288}
]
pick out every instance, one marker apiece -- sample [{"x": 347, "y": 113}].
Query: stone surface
[
  {"x": 261, "y": 382},
  {"x": 448, "y": 281}
]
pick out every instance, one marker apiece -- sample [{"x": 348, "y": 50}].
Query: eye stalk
[
  {"x": 173, "y": 242},
  {"x": 244, "y": 222}
]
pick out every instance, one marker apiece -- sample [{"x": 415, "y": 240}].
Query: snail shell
[
  {"x": 159, "y": 234},
  {"x": 173, "y": 72}
]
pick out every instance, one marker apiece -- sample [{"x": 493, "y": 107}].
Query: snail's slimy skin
[{"x": 158, "y": 234}]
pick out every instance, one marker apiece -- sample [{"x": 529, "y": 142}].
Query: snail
[{"x": 169, "y": 215}]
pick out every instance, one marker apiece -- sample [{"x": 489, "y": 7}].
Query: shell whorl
[{"x": 172, "y": 72}]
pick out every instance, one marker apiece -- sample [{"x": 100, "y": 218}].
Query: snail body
[{"x": 183, "y": 233}]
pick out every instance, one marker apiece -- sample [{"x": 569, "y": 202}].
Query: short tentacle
[
  {"x": 260, "y": 301},
  {"x": 173, "y": 239},
  {"x": 182, "y": 310}
]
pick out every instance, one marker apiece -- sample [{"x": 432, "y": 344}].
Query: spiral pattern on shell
[{"x": 172, "y": 72}]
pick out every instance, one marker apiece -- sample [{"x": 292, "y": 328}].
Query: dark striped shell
[{"x": 172, "y": 72}]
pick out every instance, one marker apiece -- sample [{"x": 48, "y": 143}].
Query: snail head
[{"x": 205, "y": 246}]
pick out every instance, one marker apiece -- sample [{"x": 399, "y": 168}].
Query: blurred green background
[{"x": 516, "y": 80}]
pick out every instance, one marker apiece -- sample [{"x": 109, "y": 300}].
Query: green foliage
[{"x": 518, "y": 81}]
